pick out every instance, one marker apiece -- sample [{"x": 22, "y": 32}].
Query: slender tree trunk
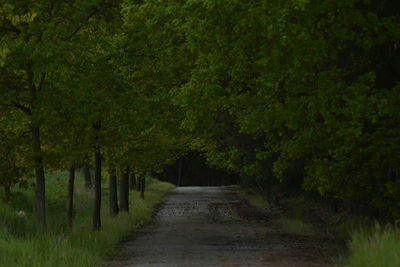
[
  {"x": 86, "y": 173},
  {"x": 40, "y": 179},
  {"x": 7, "y": 193},
  {"x": 335, "y": 205},
  {"x": 70, "y": 196},
  {"x": 180, "y": 172},
  {"x": 213, "y": 178},
  {"x": 124, "y": 190},
  {"x": 142, "y": 186},
  {"x": 88, "y": 178},
  {"x": 132, "y": 180},
  {"x": 113, "y": 192},
  {"x": 97, "y": 190},
  {"x": 138, "y": 183}
]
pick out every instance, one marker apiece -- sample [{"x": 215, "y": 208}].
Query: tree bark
[
  {"x": 70, "y": 196},
  {"x": 113, "y": 192},
  {"x": 7, "y": 193},
  {"x": 142, "y": 186},
  {"x": 86, "y": 173},
  {"x": 124, "y": 190},
  {"x": 97, "y": 190},
  {"x": 138, "y": 183},
  {"x": 40, "y": 179},
  {"x": 180, "y": 172},
  {"x": 132, "y": 180},
  {"x": 36, "y": 149}
]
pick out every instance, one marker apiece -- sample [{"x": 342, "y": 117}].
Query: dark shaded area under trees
[{"x": 192, "y": 170}]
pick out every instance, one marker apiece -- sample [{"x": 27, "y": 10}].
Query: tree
[
  {"x": 34, "y": 53},
  {"x": 12, "y": 140},
  {"x": 70, "y": 196},
  {"x": 113, "y": 191},
  {"x": 302, "y": 89},
  {"x": 124, "y": 189}
]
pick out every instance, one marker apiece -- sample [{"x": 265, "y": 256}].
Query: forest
[{"x": 293, "y": 97}]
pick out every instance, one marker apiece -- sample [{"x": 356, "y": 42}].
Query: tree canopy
[{"x": 300, "y": 95}]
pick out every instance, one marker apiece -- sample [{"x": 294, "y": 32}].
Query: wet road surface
[{"x": 204, "y": 226}]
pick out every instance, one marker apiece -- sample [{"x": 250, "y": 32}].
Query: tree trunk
[
  {"x": 40, "y": 179},
  {"x": 335, "y": 205},
  {"x": 180, "y": 172},
  {"x": 138, "y": 183},
  {"x": 142, "y": 186},
  {"x": 97, "y": 190},
  {"x": 7, "y": 193},
  {"x": 124, "y": 190},
  {"x": 213, "y": 177},
  {"x": 113, "y": 192},
  {"x": 132, "y": 180},
  {"x": 70, "y": 196},
  {"x": 86, "y": 173}
]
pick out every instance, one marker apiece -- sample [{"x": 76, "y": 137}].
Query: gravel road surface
[{"x": 211, "y": 226}]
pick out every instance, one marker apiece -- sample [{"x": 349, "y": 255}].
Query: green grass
[
  {"x": 290, "y": 225},
  {"x": 381, "y": 248},
  {"x": 373, "y": 246},
  {"x": 20, "y": 246},
  {"x": 345, "y": 227},
  {"x": 295, "y": 226}
]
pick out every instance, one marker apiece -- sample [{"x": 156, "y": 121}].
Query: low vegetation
[
  {"x": 254, "y": 198},
  {"x": 369, "y": 243},
  {"x": 295, "y": 226},
  {"x": 377, "y": 248},
  {"x": 20, "y": 245}
]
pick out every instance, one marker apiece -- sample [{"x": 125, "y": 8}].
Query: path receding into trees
[{"x": 211, "y": 226}]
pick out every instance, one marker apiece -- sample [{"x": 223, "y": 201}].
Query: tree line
[
  {"x": 70, "y": 97},
  {"x": 290, "y": 95}
]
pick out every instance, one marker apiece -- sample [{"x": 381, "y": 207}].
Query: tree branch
[
  {"x": 29, "y": 74},
  {"x": 41, "y": 81},
  {"x": 12, "y": 29},
  {"x": 22, "y": 107},
  {"x": 69, "y": 37},
  {"x": 19, "y": 106},
  {"x": 7, "y": 105}
]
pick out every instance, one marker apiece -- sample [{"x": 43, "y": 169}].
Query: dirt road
[{"x": 207, "y": 226}]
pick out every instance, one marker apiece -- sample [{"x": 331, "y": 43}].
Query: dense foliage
[
  {"x": 295, "y": 95},
  {"x": 302, "y": 91}
]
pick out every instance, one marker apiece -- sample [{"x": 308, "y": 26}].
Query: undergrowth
[
  {"x": 80, "y": 246},
  {"x": 370, "y": 244},
  {"x": 377, "y": 248}
]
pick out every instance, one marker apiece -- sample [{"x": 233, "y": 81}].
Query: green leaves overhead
[
  {"x": 305, "y": 85},
  {"x": 298, "y": 93}
]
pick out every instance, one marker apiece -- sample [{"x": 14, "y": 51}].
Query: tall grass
[
  {"x": 378, "y": 249},
  {"x": 80, "y": 246}
]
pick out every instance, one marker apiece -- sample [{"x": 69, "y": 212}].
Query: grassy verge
[
  {"x": 291, "y": 221},
  {"x": 381, "y": 248},
  {"x": 20, "y": 246},
  {"x": 370, "y": 245}
]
